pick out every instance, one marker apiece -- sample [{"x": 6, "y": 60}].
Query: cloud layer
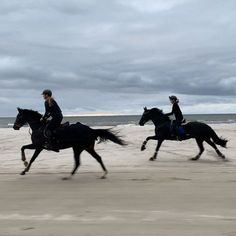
[{"x": 102, "y": 56}]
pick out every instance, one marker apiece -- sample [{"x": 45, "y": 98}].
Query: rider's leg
[
  {"x": 174, "y": 130},
  {"x": 177, "y": 131},
  {"x": 53, "y": 124}
]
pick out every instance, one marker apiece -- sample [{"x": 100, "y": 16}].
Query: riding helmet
[
  {"x": 173, "y": 97},
  {"x": 47, "y": 92}
]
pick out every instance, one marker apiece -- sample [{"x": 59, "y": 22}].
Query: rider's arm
[
  {"x": 47, "y": 112},
  {"x": 170, "y": 113}
]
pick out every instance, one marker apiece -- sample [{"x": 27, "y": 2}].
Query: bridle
[
  {"x": 147, "y": 112},
  {"x": 17, "y": 125}
]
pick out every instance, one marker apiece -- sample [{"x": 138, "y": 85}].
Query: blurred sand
[{"x": 171, "y": 196}]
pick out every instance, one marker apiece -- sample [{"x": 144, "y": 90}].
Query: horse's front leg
[
  {"x": 143, "y": 147},
  {"x": 154, "y": 157},
  {"x": 35, "y": 155},
  {"x": 23, "y": 158}
]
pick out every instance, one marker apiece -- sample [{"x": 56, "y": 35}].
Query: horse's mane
[
  {"x": 158, "y": 111},
  {"x": 32, "y": 113}
]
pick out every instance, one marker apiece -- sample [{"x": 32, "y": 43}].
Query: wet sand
[{"x": 171, "y": 196}]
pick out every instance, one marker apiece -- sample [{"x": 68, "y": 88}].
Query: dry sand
[{"x": 171, "y": 196}]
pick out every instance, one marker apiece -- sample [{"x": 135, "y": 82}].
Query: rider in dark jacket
[
  {"x": 176, "y": 110},
  {"x": 179, "y": 119},
  {"x": 51, "y": 110}
]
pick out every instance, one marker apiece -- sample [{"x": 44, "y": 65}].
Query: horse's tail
[
  {"x": 219, "y": 141},
  {"x": 108, "y": 134}
]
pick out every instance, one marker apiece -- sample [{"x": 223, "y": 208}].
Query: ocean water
[{"x": 7, "y": 122}]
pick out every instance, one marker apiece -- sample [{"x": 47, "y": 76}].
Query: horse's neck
[
  {"x": 34, "y": 124},
  {"x": 158, "y": 120}
]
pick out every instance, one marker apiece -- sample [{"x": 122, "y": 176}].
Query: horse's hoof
[
  {"x": 22, "y": 173},
  {"x": 23, "y": 157},
  {"x": 152, "y": 159},
  {"x": 105, "y": 175},
  {"x": 223, "y": 157},
  {"x": 26, "y": 163},
  {"x": 193, "y": 159},
  {"x": 143, "y": 148}
]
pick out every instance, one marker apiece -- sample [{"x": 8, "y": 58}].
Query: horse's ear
[
  {"x": 145, "y": 108},
  {"x": 19, "y": 109}
]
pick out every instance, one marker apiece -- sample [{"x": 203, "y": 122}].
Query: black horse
[
  {"x": 164, "y": 131},
  {"x": 77, "y": 136}
]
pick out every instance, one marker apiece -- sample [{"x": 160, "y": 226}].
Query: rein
[
  {"x": 30, "y": 129},
  {"x": 30, "y": 133}
]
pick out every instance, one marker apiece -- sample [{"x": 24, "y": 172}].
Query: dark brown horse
[
  {"x": 77, "y": 136},
  {"x": 163, "y": 131}
]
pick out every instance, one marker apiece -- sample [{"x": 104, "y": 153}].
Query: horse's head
[
  {"x": 150, "y": 114},
  {"x": 20, "y": 119},
  {"x": 145, "y": 117},
  {"x": 25, "y": 116}
]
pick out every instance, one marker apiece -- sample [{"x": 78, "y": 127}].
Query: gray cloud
[{"x": 116, "y": 56}]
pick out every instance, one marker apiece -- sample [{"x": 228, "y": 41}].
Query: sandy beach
[{"x": 171, "y": 196}]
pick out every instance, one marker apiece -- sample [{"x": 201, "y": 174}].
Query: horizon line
[{"x": 109, "y": 115}]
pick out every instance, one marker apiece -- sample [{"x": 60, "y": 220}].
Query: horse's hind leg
[
  {"x": 99, "y": 160},
  {"x": 200, "y": 145},
  {"x": 77, "y": 152},
  {"x": 154, "y": 157},
  {"x": 216, "y": 149}
]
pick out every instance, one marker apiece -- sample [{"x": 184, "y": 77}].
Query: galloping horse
[
  {"x": 197, "y": 130},
  {"x": 77, "y": 136}
]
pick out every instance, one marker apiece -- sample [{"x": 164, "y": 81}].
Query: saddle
[
  {"x": 66, "y": 124},
  {"x": 63, "y": 125}
]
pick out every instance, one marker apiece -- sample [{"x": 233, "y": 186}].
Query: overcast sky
[{"x": 116, "y": 56}]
